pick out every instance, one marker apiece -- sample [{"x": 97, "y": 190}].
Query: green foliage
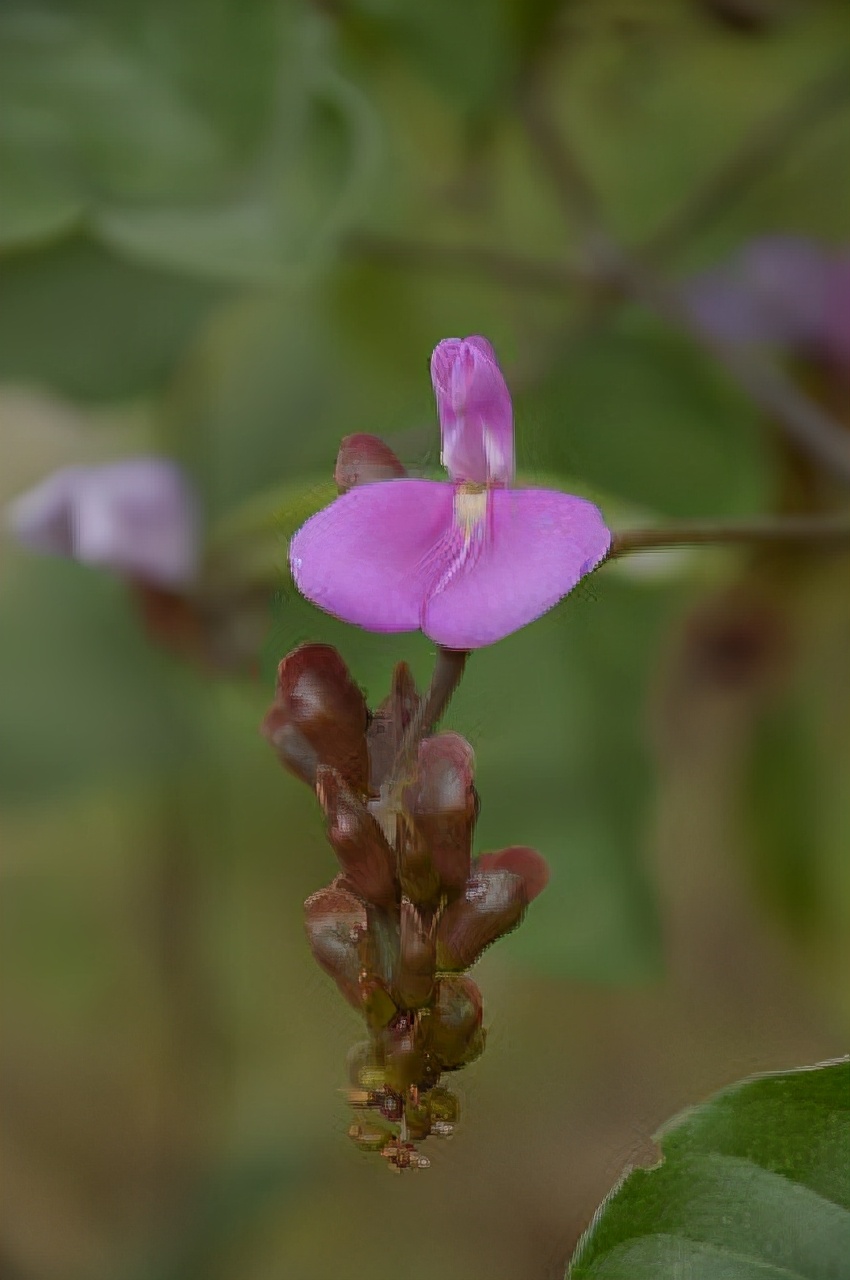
[
  {"x": 86, "y": 699},
  {"x": 84, "y": 322},
  {"x": 752, "y": 1183}
]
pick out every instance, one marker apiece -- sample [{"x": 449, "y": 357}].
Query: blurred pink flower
[
  {"x": 138, "y": 517},
  {"x": 783, "y": 291},
  {"x": 467, "y": 561}
]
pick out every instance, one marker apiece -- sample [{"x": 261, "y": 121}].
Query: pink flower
[
  {"x": 783, "y": 291},
  {"x": 138, "y": 517},
  {"x": 466, "y": 561}
]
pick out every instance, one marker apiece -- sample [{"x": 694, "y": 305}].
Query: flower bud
[
  {"x": 416, "y": 871},
  {"x": 318, "y": 716},
  {"x": 363, "y": 459},
  {"x": 442, "y": 802},
  {"x": 139, "y": 517},
  {"x": 389, "y": 723},
  {"x": 413, "y": 984},
  {"x": 336, "y": 924},
  {"x": 406, "y": 1060},
  {"x": 455, "y": 1034},
  {"x": 367, "y": 860},
  {"x": 528, "y": 864},
  {"x": 370, "y": 1135},
  {"x": 492, "y": 904}
]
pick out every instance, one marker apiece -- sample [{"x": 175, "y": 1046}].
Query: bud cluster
[{"x": 410, "y": 910}]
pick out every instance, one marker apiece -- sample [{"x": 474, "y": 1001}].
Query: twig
[
  {"x": 765, "y": 145},
  {"x": 811, "y": 428},
  {"x": 514, "y": 270},
  {"x": 691, "y": 533}
]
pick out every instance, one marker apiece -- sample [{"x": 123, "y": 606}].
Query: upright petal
[
  {"x": 474, "y": 407},
  {"x": 537, "y": 545},
  {"x": 138, "y": 516},
  {"x": 371, "y": 557}
]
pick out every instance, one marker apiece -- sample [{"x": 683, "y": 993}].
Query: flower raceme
[{"x": 467, "y": 561}]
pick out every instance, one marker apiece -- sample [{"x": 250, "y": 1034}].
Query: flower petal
[
  {"x": 538, "y": 544},
  {"x": 372, "y": 556},
  {"x": 138, "y": 516},
  {"x": 474, "y": 407}
]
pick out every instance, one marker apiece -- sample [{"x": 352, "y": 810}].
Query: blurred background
[{"x": 231, "y": 232}]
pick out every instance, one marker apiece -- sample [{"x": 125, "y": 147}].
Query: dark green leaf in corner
[{"x": 753, "y": 1185}]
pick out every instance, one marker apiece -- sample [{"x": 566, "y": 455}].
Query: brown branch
[
  {"x": 809, "y": 426},
  {"x": 514, "y": 270},
  {"x": 692, "y": 533}
]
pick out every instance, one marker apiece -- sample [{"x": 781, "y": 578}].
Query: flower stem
[
  {"x": 448, "y": 672},
  {"x": 692, "y": 533}
]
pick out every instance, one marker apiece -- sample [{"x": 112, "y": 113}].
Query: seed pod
[
  {"x": 363, "y": 459},
  {"x": 389, "y": 723},
  {"x": 366, "y": 859},
  {"x": 318, "y": 716},
  {"x": 413, "y": 983},
  {"x": 521, "y": 861},
  {"x": 454, "y": 1032},
  {"x": 492, "y": 904},
  {"x": 336, "y": 925},
  {"x": 443, "y": 805}
]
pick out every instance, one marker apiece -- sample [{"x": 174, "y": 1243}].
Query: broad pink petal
[
  {"x": 474, "y": 407},
  {"x": 537, "y": 545},
  {"x": 138, "y": 517},
  {"x": 374, "y": 554}
]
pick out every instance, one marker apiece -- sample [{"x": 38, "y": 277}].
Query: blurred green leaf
[
  {"x": 225, "y": 1207},
  {"x": 81, "y": 321},
  {"x": 635, "y": 410},
  {"x": 180, "y": 158},
  {"x": 85, "y": 698},
  {"x": 754, "y": 1183},
  {"x": 555, "y": 713}
]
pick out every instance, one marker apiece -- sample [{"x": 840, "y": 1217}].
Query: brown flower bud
[
  {"x": 406, "y": 1059},
  {"x": 416, "y": 871},
  {"x": 336, "y": 925},
  {"x": 443, "y": 805},
  {"x": 363, "y": 459},
  {"x": 357, "y": 840},
  {"x": 318, "y": 716},
  {"x": 528, "y": 864},
  {"x": 389, "y": 723},
  {"x": 413, "y": 984},
  {"x": 492, "y": 904},
  {"x": 455, "y": 1034}
]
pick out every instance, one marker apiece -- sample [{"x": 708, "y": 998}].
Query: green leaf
[
  {"x": 81, "y": 321},
  {"x": 216, "y": 140},
  {"x": 555, "y": 714},
  {"x": 753, "y": 1185},
  {"x": 86, "y": 699},
  {"x": 633, "y": 409}
]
